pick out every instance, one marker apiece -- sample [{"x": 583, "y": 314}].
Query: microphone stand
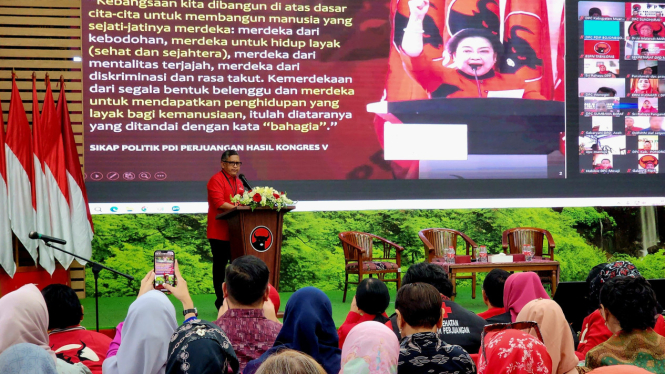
[
  {"x": 475, "y": 72},
  {"x": 96, "y": 268}
]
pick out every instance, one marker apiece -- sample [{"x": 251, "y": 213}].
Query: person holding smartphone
[{"x": 221, "y": 187}]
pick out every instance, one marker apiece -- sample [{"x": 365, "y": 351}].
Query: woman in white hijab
[
  {"x": 24, "y": 319},
  {"x": 145, "y": 336}
]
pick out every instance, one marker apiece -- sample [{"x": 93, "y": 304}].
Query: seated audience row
[{"x": 428, "y": 333}]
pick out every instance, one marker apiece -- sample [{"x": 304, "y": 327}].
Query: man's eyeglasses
[
  {"x": 524, "y": 325},
  {"x": 233, "y": 163}
]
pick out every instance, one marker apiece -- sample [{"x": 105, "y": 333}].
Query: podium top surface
[{"x": 242, "y": 208}]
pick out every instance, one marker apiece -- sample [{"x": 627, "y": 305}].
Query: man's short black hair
[
  {"x": 64, "y": 307},
  {"x": 247, "y": 279},
  {"x": 419, "y": 304},
  {"x": 647, "y": 141},
  {"x": 431, "y": 274},
  {"x": 454, "y": 41},
  {"x": 593, "y": 11},
  {"x": 607, "y": 90},
  {"x": 632, "y": 301},
  {"x": 372, "y": 296},
  {"x": 229, "y": 153},
  {"x": 493, "y": 286}
]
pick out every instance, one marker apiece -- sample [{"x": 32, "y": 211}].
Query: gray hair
[{"x": 289, "y": 361}]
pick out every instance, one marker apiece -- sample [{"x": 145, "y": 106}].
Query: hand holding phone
[
  {"x": 164, "y": 270},
  {"x": 147, "y": 283}
]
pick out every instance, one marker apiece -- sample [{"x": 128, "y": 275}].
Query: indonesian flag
[
  {"x": 56, "y": 176},
  {"x": 18, "y": 149},
  {"x": 39, "y": 190},
  {"x": 560, "y": 81},
  {"x": 81, "y": 220},
  {"x": 526, "y": 41},
  {"x": 6, "y": 252}
]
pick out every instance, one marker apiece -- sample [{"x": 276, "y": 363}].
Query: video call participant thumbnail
[
  {"x": 605, "y": 164},
  {"x": 655, "y": 125},
  {"x": 611, "y": 92},
  {"x": 475, "y": 53},
  {"x": 649, "y": 163},
  {"x": 644, "y": 86},
  {"x": 602, "y": 70},
  {"x": 647, "y": 107}
]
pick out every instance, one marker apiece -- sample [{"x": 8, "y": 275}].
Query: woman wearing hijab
[
  {"x": 144, "y": 337},
  {"x": 644, "y": 86},
  {"x": 647, "y": 107},
  {"x": 309, "y": 328},
  {"x": 519, "y": 290},
  {"x": 24, "y": 319},
  {"x": 371, "y": 347},
  {"x": 513, "y": 352},
  {"x": 200, "y": 347},
  {"x": 26, "y": 358},
  {"x": 556, "y": 333},
  {"x": 629, "y": 308}
]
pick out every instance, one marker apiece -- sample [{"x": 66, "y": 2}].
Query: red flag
[
  {"x": 39, "y": 188},
  {"x": 560, "y": 81},
  {"x": 526, "y": 40},
  {"x": 6, "y": 252},
  {"x": 19, "y": 172},
  {"x": 56, "y": 175},
  {"x": 81, "y": 220}
]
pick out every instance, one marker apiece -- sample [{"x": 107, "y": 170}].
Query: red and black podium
[{"x": 257, "y": 233}]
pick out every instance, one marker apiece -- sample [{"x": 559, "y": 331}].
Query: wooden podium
[{"x": 257, "y": 233}]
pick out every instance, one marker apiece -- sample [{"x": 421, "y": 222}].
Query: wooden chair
[
  {"x": 359, "y": 258},
  {"x": 438, "y": 240},
  {"x": 514, "y": 239}
]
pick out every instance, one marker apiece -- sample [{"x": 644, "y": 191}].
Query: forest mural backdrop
[{"x": 312, "y": 255}]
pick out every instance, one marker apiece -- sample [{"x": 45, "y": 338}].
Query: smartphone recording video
[{"x": 164, "y": 269}]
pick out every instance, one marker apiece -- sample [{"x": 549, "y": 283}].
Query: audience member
[
  {"x": 243, "y": 317},
  {"x": 141, "y": 342},
  {"x": 594, "y": 331},
  {"x": 513, "y": 352},
  {"x": 370, "y": 348},
  {"x": 273, "y": 299},
  {"x": 309, "y": 328},
  {"x": 557, "y": 336},
  {"x": 72, "y": 342},
  {"x": 200, "y": 347},
  {"x": 520, "y": 289},
  {"x": 369, "y": 304},
  {"x": 290, "y": 362},
  {"x": 419, "y": 315},
  {"x": 24, "y": 319},
  {"x": 629, "y": 308},
  {"x": 26, "y": 358},
  {"x": 493, "y": 297},
  {"x": 460, "y": 326}
]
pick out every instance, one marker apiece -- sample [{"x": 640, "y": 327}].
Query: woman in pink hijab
[
  {"x": 24, "y": 319},
  {"x": 372, "y": 348},
  {"x": 519, "y": 290}
]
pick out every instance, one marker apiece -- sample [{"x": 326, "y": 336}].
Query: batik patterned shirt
[
  {"x": 250, "y": 333},
  {"x": 426, "y": 353}
]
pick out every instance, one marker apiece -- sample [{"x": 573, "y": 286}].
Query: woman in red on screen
[
  {"x": 647, "y": 107},
  {"x": 644, "y": 86},
  {"x": 474, "y": 52}
]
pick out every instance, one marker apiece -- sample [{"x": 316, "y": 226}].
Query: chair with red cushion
[
  {"x": 514, "y": 239},
  {"x": 437, "y": 240},
  {"x": 359, "y": 258}
]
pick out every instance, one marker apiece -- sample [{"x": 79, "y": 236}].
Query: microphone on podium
[
  {"x": 46, "y": 238},
  {"x": 244, "y": 181}
]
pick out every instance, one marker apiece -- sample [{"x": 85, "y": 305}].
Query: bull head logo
[
  {"x": 518, "y": 52},
  {"x": 261, "y": 239}
]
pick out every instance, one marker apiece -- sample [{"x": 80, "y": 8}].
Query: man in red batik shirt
[{"x": 221, "y": 187}]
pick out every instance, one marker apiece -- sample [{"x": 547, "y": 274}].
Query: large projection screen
[{"x": 507, "y": 99}]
